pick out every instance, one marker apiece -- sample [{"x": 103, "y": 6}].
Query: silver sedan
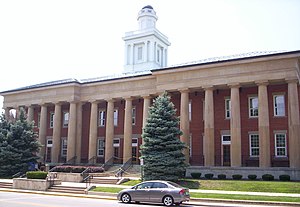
[{"x": 157, "y": 191}]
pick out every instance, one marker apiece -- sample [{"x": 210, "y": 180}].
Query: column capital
[
  {"x": 184, "y": 90},
  {"x": 128, "y": 98},
  {"x": 262, "y": 82},
  {"x": 234, "y": 85},
  {"x": 110, "y": 100},
  {"x": 93, "y": 101},
  {"x": 292, "y": 80},
  {"x": 208, "y": 87}
]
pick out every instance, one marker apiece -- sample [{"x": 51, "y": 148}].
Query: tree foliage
[
  {"x": 162, "y": 148},
  {"x": 18, "y": 145}
]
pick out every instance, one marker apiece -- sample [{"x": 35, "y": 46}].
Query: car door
[
  {"x": 158, "y": 191},
  {"x": 141, "y": 192}
]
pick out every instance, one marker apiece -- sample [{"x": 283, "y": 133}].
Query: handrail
[
  {"x": 108, "y": 163},
  {"x": 51, "y": 177},
  {"x": 72, "y": 160},
  {"x": 92, "y": 160},
  {"x": 85, "y": 173},
  {"x": 87, "y": 180},
  {"x": 123, "y": 168},
  {"x": 19, "y": 175}
]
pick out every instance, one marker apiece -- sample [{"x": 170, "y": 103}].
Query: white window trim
[
  {"x": 249, "y": 106},
  {"x": 274, "y": 102},
  {"x": 102, "y": 148},
  {"x": 136, "y": 143},
  {"x": 64, "y": 139},
  {"x": 48, "y": 144},
  {"x": 39, "y": 121},
  {"x": 101, "y": 117},
  {"x": 227, "y": 100},
  {"x": 276, "y": 148},
  {"x": 65, "y": 125},
  {"x": 225, "y": 142},
  {"x": 133, "y": 115},
  {"x": 51, "y": 120},
  {"x": 117, "y": 117},
  {"x": 250, "y": 147},
  {"x": 116, "y": 144}
]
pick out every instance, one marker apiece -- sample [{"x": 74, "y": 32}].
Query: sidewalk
[{"x": 193, "y": 201}]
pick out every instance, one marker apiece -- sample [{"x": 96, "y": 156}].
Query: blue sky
[{"x": 43, "y": 41}]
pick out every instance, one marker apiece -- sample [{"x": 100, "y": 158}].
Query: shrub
[
  {"x": 209, "y": 176},
  {"x": 222, "y": 177},
  {"x": 77, "y": 169},
  {"x": 284, "y": 177},
  {"x": 196, "y": 175},
  {"x": 267, "y": 177},
  {"x": 237, "y": 177},
  {"x": 36, "y": 175},
  {"x": 252, "y": 177}
]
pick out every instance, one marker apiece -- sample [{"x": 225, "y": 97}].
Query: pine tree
[
  {"x": 18, "y": 145},
  {"x": 162, "y": 149}
]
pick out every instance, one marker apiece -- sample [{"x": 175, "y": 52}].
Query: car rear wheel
[
  {"x": 125, "y": 198},
  {"x": 168, "y": 201}
]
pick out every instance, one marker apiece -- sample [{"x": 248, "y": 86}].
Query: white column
[
  {"x": 127, "y": 130},
  {"x": 294, "y": 124},
  {"x": 93, "y": 130},
  {"x": 209, "y": 127},
  {"x": 43, "y": 131},
  {"x": 147, "y": 103},
  {"x": 263, "y": 126},
  {"x": 30, "y": 113},
  {"x": 72, "y": 131},
  {"x": 109, "y": 138},
  {"x": 185, "y": 123},
  {"x": 55, "y": 153},
  {"x": 78, "y": 131},
  {"x": 235, "y": 127}
]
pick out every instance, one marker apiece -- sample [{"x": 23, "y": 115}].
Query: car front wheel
[
  {"x": 168, "y": 201},
  {"x": 125, "y": 198}
]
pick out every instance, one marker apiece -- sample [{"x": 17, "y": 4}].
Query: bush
[
  {"x": 209, "y": 176},
  {"x": 267, "y": 177},
  {"x": 284, "y": 177},
  {"x": 77, "y": 169},
  {"x": 222, "y": 177},
  {"x": 252, "y": 177},
  {"x": 196, "y": 175},
  {"x": 36, "y": 175},
  {"x": 237, "y": 177}
]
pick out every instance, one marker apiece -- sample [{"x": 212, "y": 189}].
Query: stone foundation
[
  {"x": 68, "y": 177},
  {"x": 33, "y": 184}
]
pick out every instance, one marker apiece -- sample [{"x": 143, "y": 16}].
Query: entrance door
[{"x": 226, "y": 155}]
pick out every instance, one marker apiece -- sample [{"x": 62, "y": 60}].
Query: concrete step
[
  {"x": 104, "y": 180},
  {"x": 6, "y": 185},
  {"x": 67, "y": 189}
]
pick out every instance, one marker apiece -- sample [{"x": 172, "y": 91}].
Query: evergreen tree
[
  {"x": 18, "y": 145},
  {"x": 162, "y": 149}
]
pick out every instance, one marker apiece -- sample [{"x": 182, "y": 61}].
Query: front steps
[
  {"x": 6, "y": 185},
  {"x": 67, "y": 189}
]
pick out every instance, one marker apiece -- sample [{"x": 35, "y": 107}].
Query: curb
[{"x": 113, "y": 196}]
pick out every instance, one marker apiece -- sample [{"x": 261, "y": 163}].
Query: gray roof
[{"x": 149, "y": 72}]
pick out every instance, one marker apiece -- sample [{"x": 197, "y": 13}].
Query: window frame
[
  {"x": 101, "y": 117},
  {"x": 251, "y": 108},
  {"x": 253, "y": 147},
  {"x": 227, "y": 108},
  {"x": 100, "y": 147},
  {"x": 280, "y": 147},
  {"x": 133, "y": 115},
  {"x": 116, "y": 114},
  {"x": 275, "y": 105},
  {"x": 51, "y": 123},
  {"x": 64, "y": 147},
  {"x": 65, "y": 122}
]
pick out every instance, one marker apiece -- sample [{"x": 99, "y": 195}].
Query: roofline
[{"x": 223, "y": 61}]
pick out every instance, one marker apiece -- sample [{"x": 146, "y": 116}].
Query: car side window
[
  {"x": 159, "y": 185},
  {"x": 144, "y": 186}
]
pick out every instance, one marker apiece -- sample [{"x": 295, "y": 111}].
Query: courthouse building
[{"x": 236, "y": 112}]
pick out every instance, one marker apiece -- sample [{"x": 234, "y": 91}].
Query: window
[
  {"x": 133, "y": 115},
  {"x": 226, "y": 139},
  {"x": 116, "y": 117},
  {"x": 140, "y": 53},
  {"x": 65, "y": 119},
  {"x": 49, "y": 142},
  {"x": 134, "y": 142},
  {"x": 253, "y": 107},
  {"x": 64, "y": 147},
  {"x": 159, "y": 185},
  {"x": 280, "y": 145},
  {"x": 100, "y": 148},
  {"x": 158, "y": 56},
  {"x": 51, "y": 120},
  {"x": 190, "y": 110},
  {"x": 116, "y": 142},
  {"x": 101, "y": 117},
  {"x": 39, "y": 120},
  {"x": 279, "y": 106},
  {"x": 254, "y": 145},
  {"x": 227, "y": 108}
]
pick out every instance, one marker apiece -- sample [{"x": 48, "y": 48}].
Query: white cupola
[{"x": 145, "y": 48}]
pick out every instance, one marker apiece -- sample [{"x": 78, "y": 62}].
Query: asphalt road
[{"x": 12, "y": 199}]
